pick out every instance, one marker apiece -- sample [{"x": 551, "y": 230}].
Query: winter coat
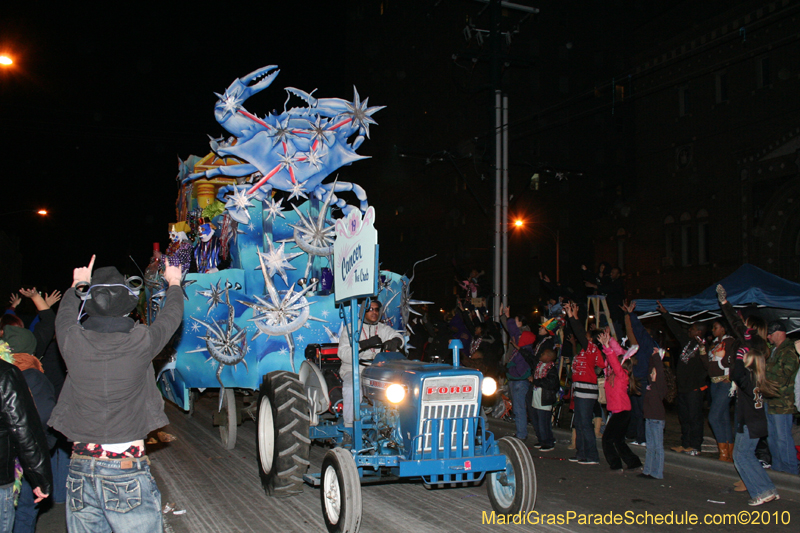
[
  {"x": 782, "y": 369},
  {"x": 549, "y": 383},
  {"x": 750, "y": 405},
  {"x": 110, "y": 395},
  {"x": 656, "y": 391},
  {"x": 21, "y": 432},
  {"x": 617, "y": 399},
  {"x": 691, "y": 368}
]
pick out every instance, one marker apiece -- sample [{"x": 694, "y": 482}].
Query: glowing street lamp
[
  {"x": 42, "y": 212},
  {"x": 5, "y": 60}
]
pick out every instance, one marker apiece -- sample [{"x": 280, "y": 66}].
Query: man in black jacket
[
  {"x": 690, "y": 374},
  {"x": 22, "y": 436}
]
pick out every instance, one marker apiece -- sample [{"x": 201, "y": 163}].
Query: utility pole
[{"x": 500, "y": 281}]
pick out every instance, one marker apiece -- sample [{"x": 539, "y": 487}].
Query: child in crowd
[
  {"x": 545, "y": 390},
  {"x": 619, "y": 384},
  {"x": 655, "y": 418}
]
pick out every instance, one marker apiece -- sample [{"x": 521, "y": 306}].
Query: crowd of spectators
[{"x": 620, "y": 377}]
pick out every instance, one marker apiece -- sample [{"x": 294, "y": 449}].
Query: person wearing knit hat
[{"x": 110, "y": 401}]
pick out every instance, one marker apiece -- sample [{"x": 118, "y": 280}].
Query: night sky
[{"x": 100, "y": 103}]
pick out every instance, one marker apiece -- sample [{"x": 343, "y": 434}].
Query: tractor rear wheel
[
  {"x": 513, "y": 490},
  {"x": 340, "y": 492},
  {"x": 282, "y": 438}
]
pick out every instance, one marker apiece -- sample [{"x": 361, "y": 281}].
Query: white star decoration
[
  {"x": 237, "y": 204},
  {"x": 277, "y": 261},
  {"x": 273, "y": 209},
  {"x": 297, "y": 191},
  {"x": 360, "y": 114}
]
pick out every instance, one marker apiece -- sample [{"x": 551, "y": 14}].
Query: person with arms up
[{"x": 110, "y": 401}]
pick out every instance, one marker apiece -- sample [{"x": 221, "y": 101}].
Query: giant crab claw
[{"x": 243, "y": 88}]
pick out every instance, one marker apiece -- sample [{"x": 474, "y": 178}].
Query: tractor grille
[{"x": 446, "y": 402}]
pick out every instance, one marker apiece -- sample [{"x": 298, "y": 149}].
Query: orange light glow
[
  {"x": 519, "y": 223},
  {"x": 42, "y": 212},
  {"x": 5, "y": 60}
]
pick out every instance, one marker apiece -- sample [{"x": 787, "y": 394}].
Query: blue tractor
[{"x": 417, "y": 420}]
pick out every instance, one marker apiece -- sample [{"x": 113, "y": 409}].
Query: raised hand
[
  {"x": 722, "y": 294},
  {"x": 15, "y": 300},
  {"x": 29, "y": 293},
  {"x": 604, "y": 337},
  {"x": 660, "y": 308},
  {"x": 52, "y": 298},
  {"x": 628, "y": 307},
  {"x": 83, "y": 274},
  {"x": 173, "y": 274}
]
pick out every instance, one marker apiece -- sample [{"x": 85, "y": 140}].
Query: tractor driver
[{"x": 373, "y": 338}]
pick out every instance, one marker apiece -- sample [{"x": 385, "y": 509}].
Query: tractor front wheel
[
  {"x": 282, "y": 440},
  {"x": 340, "y": 492},
  {"x": 513, "y": 490}
]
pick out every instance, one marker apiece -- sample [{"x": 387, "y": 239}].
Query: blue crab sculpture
[{"x": 292, "y": 152}]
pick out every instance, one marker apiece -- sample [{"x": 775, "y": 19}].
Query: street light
[
  {"x": 520, "y": 223},
  {"x": 5, "y": 60},
  {"x": 40, "y": 212}
]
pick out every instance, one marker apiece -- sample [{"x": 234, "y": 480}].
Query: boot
[
  {"x": 572, "y": 444},
  {"x": 597, "y": 423},
  {"x": 723, "y": 452},
  {"x": 739, "y": 486},
  {"x": 730, "y": 450},
  {"x": 679, "y": 449}
]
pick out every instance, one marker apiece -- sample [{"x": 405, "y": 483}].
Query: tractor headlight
[
  {"x": 489, "y": 386},
  {"x": 395, "y": 393}
]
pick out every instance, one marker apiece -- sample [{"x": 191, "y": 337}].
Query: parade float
[{"x": 275, "y": 262}]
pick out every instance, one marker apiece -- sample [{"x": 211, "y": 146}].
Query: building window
[
  {"x": 702, "y": 237},
  {"x": 722, "y": 87},
  {"x": 762, "y": 72},
  {"x": 686, "y": 240},
  {"x": 669, "y": 242},
  {"x": 683, "y": 101}
]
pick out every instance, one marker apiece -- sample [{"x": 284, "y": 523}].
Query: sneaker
[
  {"x": 537, "y": 445},
  {"x": 635, "y": 467},
  {"x": 638, "y": 443},
  {"x": 766, "y": 466},
  {"x": 691, "y": 451},
  {"x": 574, "y": 460},
  {"x": 588, "y": 462},
  {"x": 546, "y": 448},
  {"x": 764, "y": 499},
  {"x": 645, "y": 476}
]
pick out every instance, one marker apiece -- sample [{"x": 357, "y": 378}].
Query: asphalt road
[{"x": 220, "y": 492}]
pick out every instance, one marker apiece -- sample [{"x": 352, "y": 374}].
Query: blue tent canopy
[{"x": 749, "y": 285}]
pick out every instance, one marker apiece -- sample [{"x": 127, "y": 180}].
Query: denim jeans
[
  {"x": 542, "y": 423},
  {"x": 105, "y": 495},
  {"x": 719, "y": 416},
  {"x": 519, "y": 390},
  {"x": 636, "y": 429},
  {"x": 752, "y": 473},
  {"x": 7, "y": 508},
  {"x": 654, "y": 458},
  {"x": 27, "y": 510},
  {"x": 614, "y": 448},
  {"x": 585, "y": 441},
  {"x": 781, "y": 443}
]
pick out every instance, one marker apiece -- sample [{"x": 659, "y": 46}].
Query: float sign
[{"x": 354, "y": 263}]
